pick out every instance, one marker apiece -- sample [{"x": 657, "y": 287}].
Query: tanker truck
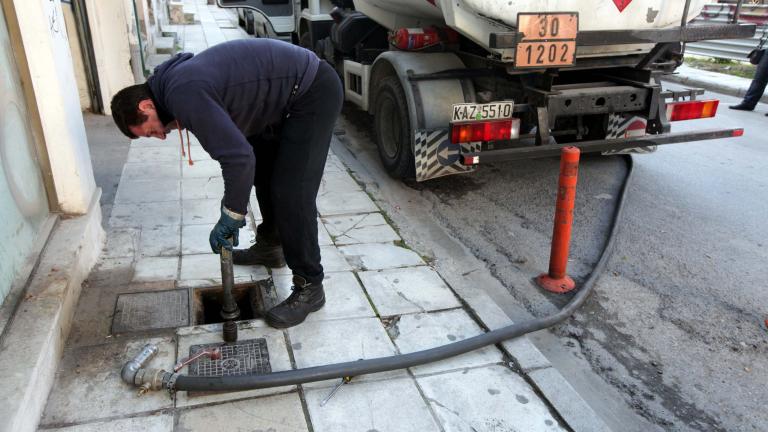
[{"x": 452, "y": 84}]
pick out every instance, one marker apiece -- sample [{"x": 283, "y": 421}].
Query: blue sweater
[{"x": 229, "y": 92}]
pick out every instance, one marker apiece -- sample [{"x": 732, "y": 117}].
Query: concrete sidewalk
[{"x": 153, "y": 285}]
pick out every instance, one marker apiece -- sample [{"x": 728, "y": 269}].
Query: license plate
[
  {"x": 470, "y": 112},
  {"x": 546, "y": 40}
]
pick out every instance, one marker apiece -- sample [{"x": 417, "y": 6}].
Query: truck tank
[{"x": 476, "y": 19}]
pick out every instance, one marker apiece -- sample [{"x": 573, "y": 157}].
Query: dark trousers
[
  {"x": 289, "y": 166},
  {"x": 756, "y": 89}
]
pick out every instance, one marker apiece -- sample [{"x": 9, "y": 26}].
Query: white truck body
[
  {"x": 594, "y": 14},
  {"x": 476, "y": 19}
]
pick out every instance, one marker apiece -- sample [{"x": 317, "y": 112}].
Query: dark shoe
[
  {"x": 262, "y": 252},
  {"x": 742, "y": 107},
  {"x": 304, "y": 299}
]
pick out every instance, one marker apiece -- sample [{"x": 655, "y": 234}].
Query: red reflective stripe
[{"x": 738, "y": 132}]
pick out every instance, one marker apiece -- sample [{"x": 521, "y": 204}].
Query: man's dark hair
[{"x": 125, "y": 107}]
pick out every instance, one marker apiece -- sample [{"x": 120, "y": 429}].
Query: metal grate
[{"x": 246, "y": 357}]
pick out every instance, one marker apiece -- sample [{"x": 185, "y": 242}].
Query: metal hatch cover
[{"x": 244, "y": 357}]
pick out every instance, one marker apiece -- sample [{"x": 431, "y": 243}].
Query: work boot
[
  {"x": 741, "y": 107},
  {"x": 305, "y": 298},
  {"x": 262, "y": 252}
]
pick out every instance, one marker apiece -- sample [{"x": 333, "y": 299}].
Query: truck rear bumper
[{"x": 530, "y": 150}]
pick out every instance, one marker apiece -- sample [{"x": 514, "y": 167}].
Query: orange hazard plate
[{"x": 546, "y": 39}]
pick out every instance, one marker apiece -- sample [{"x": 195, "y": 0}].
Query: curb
[
  {"x": 529, "y": 362},
  {"x": 34, "y": 339},
  {"x": 712, "y": 81}
]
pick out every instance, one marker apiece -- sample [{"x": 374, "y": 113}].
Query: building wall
[
  {"x": 77, "y": 56},
  {"x": 49, "y": 61},
  {"x": 109, "y": 22},
  {"x": 23, "y": 199}
]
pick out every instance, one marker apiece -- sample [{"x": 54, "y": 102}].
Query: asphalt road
[{"x": 673, "y": 337}]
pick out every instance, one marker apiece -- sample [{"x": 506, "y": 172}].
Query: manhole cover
[
  {"x": 151, "y": 310},
  {"x": 246, "y": 357}
]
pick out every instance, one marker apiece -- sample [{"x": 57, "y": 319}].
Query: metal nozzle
[{"x": 229, "y": 309}]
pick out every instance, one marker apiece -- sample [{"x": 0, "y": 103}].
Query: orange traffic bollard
[{"x": 557, "y": 280}]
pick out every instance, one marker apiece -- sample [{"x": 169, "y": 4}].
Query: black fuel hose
[{"x": 382, "y": 364}]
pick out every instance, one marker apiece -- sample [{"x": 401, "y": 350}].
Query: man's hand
[{"x": 228, "y": 226}]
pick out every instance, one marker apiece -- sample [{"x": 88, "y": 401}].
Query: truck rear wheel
[
  {"x": 249, "y": 23},
  {"x": 393, "y": 129}
]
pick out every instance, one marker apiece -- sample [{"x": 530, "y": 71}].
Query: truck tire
[
  {"x": 392, "y": 127},
  {"x": 305, "y": 41},
  {"x": 249, "y": 23}
]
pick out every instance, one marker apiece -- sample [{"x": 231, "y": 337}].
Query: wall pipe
[{"x": 160, "y": 379}]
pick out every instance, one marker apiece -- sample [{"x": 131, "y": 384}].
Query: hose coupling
[{"x": 150, "y": 379}]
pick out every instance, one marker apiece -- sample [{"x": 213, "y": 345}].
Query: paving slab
[
  {"x": 153, "y": 423},
  {"x": 201, "y": 169},
  {"x": 194, "y": 238},
  {"x": 389, "y": 405},
  {"x": 205, "y": 211},
  {"x": 234, "y": 33},
  {"x": 344, "y": 298},
  {"x": 151, "y": 269},
  {"x": 360, "y": 228},
  {"x": 274, "y": 413},
  {"x": 147, "y": 142},
  {"x": 198, "y": 154},
  {"x": 121, "y": 242},
  {"x": 331, "y": 259},
  {"x": 330, "y": 204},
  {"x": 333, "y": 164},
  {"x": 278, "y": 357},
  {"x": 323, "y": 238},
  {"x": 407, "y": 290},
  {"x": 377, "y": 256},
  {"x": 151, "y": 170},
  {"x": 109, "y": 269},
  {"x": 165, "y": 152},
  {"x": 88, "y": 385},
  {"x": 429, "y": 330},
  {"x": 486, "y": 399},
  {"x": 567, "y": 401},
  {"x": 338, "y": 182},
  {"x": 205, "y": 270},
  {"x": 202, "y": 188},
  {"x": 145, "y": 214},
  {"x": 144, "y": 191},
  {"x": 318, "y": 343},
  {"x": 160, "y": 241}
]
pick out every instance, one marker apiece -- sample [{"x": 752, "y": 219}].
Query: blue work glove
[{"x": 228, "y": 226}]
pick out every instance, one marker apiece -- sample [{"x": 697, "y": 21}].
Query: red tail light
[
  {"x": 494, "y": 130},
  {"x": 689, "y": 110}
]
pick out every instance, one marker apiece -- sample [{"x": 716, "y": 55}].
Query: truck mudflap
[
  {"x": 436, "y": 156},
  {"x": 531, "y": 150},
  {"x": 622, "y": 126}
]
